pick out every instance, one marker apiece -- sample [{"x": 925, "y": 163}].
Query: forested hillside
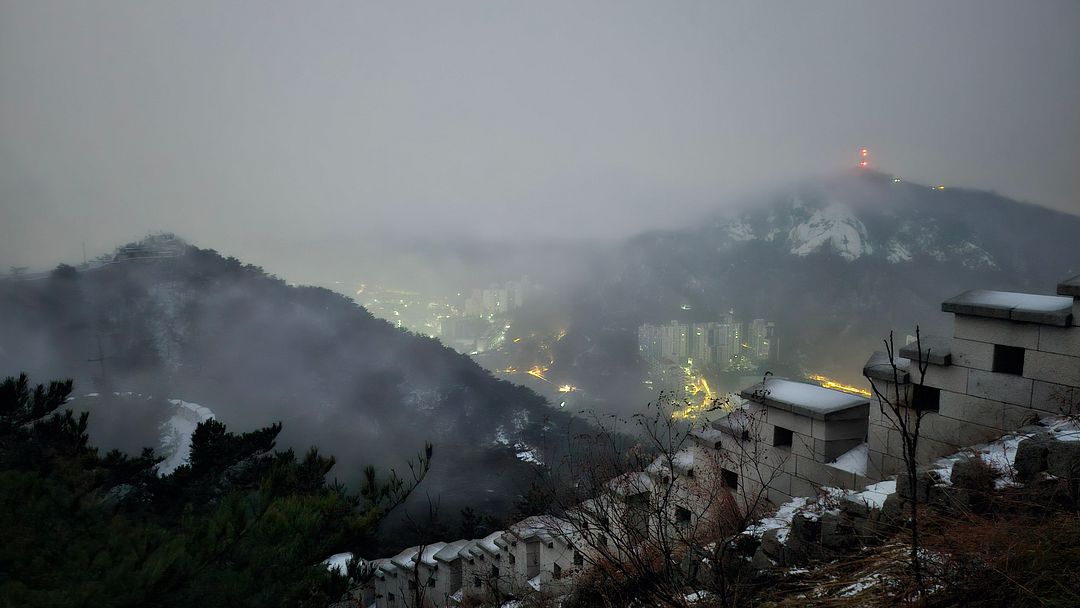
[{"x": 190, "y": 324}]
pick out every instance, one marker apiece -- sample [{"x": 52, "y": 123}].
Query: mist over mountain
[
  {"x": 837, "y": 262},
  {"x": 165, "y": 320}
]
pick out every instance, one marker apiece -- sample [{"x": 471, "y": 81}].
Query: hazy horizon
[{"x": 262, "y": 129}]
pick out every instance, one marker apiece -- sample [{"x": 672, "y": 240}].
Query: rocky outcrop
[{"x": 839, "y": 523}]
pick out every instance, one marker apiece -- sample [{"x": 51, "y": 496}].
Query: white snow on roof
[
  {"x": 176, "y": 434},
  {"x": 1023, "y": 301},
  {"x": 854, "y": 460},
  {"x": 405, "y": 558},
  {"x": 534, "y": 582},
  {"x": 684, "y": 459},
  {"x": 809, "y": 396},
  {"x": 631, "y": 483},
  {"x": 451, "y": 551},
  {"x": 428, "y": 556},
  {"x": 488, "y": 542}
]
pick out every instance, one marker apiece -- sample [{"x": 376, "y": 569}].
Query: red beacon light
[{"x": 863, "y": 156}]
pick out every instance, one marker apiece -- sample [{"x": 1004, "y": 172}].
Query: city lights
[{"x": 833, "y": 384}]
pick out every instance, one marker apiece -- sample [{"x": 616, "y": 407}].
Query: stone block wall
[
  {"x": 787, "y": 471},
  {"x": 977, "y": 403}
]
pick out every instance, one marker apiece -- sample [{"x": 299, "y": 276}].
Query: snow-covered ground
[
  {"x": 781, "y": 520},
  {"x": 999, "y": 454},
  {"x": 523, "y": 451}
]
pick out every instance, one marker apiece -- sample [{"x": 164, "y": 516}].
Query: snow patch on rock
[
  {"x": 176, "y": 434},
  {"x": 780, "y": 521},
  {"x": 338, "y": 561},
  {"x": 835, "y": 227},
  {"x": 739, "y": 230},
  {"x": 975, "y": 257},
  {"x": 522, "y": 450},
  {"x": 897, "y": 252}
]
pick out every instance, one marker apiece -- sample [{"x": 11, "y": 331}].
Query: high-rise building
[
  {"x": 774, "y": 342},
  {"x": 757, "y": 343},
  {"x": 720, "y": 343}
]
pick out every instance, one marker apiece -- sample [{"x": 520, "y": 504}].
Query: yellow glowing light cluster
[
  {"x": 691, "y": 411},
  {"x": 566, "y": 388},
  {"x": 537, "y": 372},
  {"x": 833, "y": 384}
]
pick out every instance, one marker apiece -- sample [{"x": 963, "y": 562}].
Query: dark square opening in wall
[
  {"x": 1008, "y": 360},
  {"x": 781, "y": 437},
  {"x": 730, "y": 478},
  {"x": 926, "y": 398}
]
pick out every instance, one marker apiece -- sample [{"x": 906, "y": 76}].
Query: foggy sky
[{"x": 253, "y": 126}]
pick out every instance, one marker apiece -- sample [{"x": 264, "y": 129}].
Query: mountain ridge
[
  {"x": 838, "y": 262},
  {"x": 196, "y": 326}
]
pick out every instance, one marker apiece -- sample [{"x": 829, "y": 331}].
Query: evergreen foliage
[{"x": 241, "y": 525}]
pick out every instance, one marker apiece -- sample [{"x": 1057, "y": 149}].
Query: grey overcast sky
[{"x": 237, "y": 124}]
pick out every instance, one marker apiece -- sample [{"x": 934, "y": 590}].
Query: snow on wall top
[
  {"x": 1052, "y": 310},
  {"x": 451, "y": 551},
  {"x": 488, "y": 542},
  {"x": 807, "y": 399}
]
